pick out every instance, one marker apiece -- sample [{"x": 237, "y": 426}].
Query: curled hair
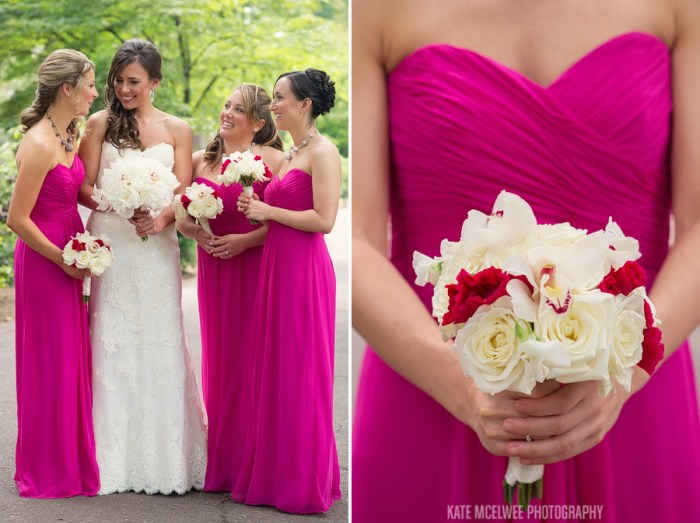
[
  {"x": 256, "y": 103},
  {"x": 122, "y": 129},
  {"x": 60, "y": 67},
  {"x": 315, "y": 85}
]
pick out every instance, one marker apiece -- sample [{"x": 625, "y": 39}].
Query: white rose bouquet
[
  {"x": 527, "y": 302},
  {"x": 133, "y": 183},
  {"x": 200, "y": 201},
  {"x": 245, "y": 168},
  {"x": 88, "y": 252}
]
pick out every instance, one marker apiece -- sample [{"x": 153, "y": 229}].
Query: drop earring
[{"x": 152, "y": 94}]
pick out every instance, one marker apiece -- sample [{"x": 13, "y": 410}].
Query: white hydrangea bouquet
[
  {"x": 85, "y": 251},
  {"x": 245, "y": 168},
  {"x": 527, "y": 302},
  {"x": 200, "y": 201},
  {"x": 132, "y": 183}
]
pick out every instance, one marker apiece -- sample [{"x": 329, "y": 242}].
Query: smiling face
[
  {"x": 233, "y": 120},
  {"x": 86, "y": 93},
  {"x": 132, "y": 86},
  {"x": 286, "y": 108}
]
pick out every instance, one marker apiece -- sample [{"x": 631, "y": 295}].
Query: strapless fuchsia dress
[
  {"x": 55, "y": 453},
  {"x": 593, "y": 144},
  {"x": 290, "y": 459},
  {"x": 226, "y": 291}
]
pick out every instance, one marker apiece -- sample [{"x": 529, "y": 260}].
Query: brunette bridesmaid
[{"x": 290, "y": 458}]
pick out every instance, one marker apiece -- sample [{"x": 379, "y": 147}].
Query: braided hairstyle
[{"x": 60, "y": 67}]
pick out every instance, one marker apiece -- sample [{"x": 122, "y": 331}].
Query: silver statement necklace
[
  {"x": 288, "y": 155},
  {"x": 67, "y": 144}
]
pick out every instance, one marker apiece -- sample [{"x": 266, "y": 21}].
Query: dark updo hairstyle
[
  {"x": 60, "y": 67},
  {"x": 256, "y": 103},
  {"x": 122, "y": 130},
  {"x": 315, "y": 85}
]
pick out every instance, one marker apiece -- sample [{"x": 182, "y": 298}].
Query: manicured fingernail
[
  {"x": 508, "y": 426},
  {"x": 513, "y": 449}
]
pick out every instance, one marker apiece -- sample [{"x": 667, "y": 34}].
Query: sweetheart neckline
[
  {"x": 514, "y": 72},
  {"x": 144, "y": 150},
  {"x": 280, "y": 178}
]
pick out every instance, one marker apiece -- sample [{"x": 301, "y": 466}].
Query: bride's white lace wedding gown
[{"x": 147, "y": 409}]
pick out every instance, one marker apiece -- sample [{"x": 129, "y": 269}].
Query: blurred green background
[{"x": 208, "y": 48}]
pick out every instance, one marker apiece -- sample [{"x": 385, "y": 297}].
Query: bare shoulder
[
  {"x": 176, "y": 125},
  {"x": 687, "y": 16},
  {"x": 324, "y": 157},
  {"x": 272, "y": 157},
  {"x": 197, "y": 159},
  {"x": 96, "y": 126},
  {"x": 37, "y": 150}
]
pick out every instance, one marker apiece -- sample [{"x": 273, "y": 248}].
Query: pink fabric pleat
[
  {"x": 55, "y": 453},
  {"x": 593, "y": 144},
  {"x": 290, "y": 460},
  {"x": 226, "y": 289}
]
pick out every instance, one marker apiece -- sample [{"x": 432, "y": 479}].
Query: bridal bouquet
[
  {"x": 245, "y": 168},
  {"x": 527, "y": 302},
  {"x": 136, "y": 183},
  {"x": 88, "y": 252},
  {"x": 199, "y": 201}
]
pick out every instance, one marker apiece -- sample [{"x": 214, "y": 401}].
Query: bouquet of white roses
[
  {"x": 245, "y": 168},
  {"x": 199, "y": 201},
  {"x": 527, "y": 302},
  {"x": 88, "y": 252},
  {"x": 133, "y": 183}
]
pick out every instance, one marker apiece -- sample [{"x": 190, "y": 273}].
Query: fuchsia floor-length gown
[
  {"x": 593, "y": 144},
  {"x": 226, "y": 291},
  {"x": 55, "y": 455},
  {"x": 290, "y": 459}
]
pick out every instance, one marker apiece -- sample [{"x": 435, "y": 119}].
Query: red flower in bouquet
[
  {"x": 624, "y": 280},
  {"x": 471, "y": 292}
]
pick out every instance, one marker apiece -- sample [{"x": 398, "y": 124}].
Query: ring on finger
[
  {"x": 226, "y": 252},
  {"x": 528, "y": 438}
]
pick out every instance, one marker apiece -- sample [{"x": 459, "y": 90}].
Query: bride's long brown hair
[{"x": 122, "y": 130}]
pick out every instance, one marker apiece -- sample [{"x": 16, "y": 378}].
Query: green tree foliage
[{"x": 209, "y": 47}]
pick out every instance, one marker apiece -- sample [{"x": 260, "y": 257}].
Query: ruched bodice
[
  {"x": 292, "y": 191},
  {"x": 231, "y": 220},
  {"x": 58, "y": 194},
  {"x": 593, "y": 144}
]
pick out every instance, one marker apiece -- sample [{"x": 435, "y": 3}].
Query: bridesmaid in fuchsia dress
[
  {"x": 290, "y": 459},
  {"x": 227, "y": 278},
  {"x": 587, "y": 110},
  {"x": 55, "y": 454}
]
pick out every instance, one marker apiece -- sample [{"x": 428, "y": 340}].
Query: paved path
[{"x": 192, "y": 507}]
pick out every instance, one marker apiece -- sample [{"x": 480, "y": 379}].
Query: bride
[{"x": 148, "y": 416}]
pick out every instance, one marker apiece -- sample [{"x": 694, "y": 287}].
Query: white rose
[
  {"x": 69, "y": 254},
  {"x": 82, "y": 260},
  {"x": 490, "y": 353},
  {"x": 196, "y": 209},
  {"x": 97, "y": 265},
  {"x": 584, "y": 331},
  {"x": 211, "y": 207},
  {"x": 627, "y": 337}
]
